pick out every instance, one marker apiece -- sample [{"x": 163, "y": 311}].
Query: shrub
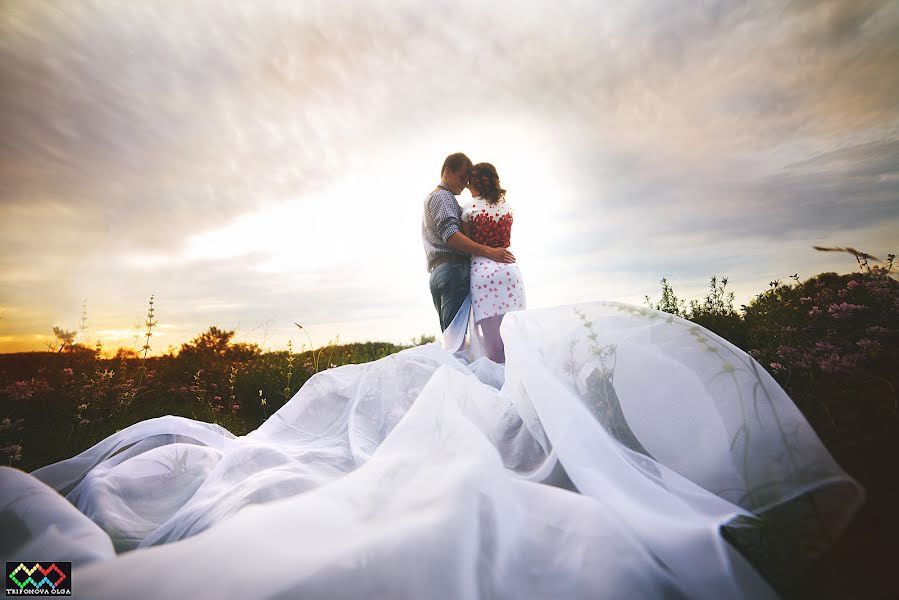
[{"x": 715, "y": 312}]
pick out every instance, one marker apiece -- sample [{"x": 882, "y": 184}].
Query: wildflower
[
  {"x": 838, "y": 364},
  {"x": 67, "y": 372},
  {"x": 235, "y": 407},
  {"x": 825, "y": 347},
  {"x": 867, "y": 345},
  {"x": 217, "y": 408},
  {"x": 814, "y": 312},
  {"x": 785, "y": 351},
  {"x": 20, "y": 390},
  {"x": 803, "y": 361},
  {"x": 853, "y": 283},
  {"x": 843, "y": 310},
  {"x": 877, "y": 330},
  {"x": 776, "y": 366},
  {"x": 14, "y": 451},
  {"x": 83, "y": 422}
]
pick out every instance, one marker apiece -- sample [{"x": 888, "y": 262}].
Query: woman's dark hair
[
  {"x": 484, "y": 179},
  {"x": 455, "y": 162}
]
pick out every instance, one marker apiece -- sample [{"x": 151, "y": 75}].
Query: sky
[{"x": 262, "y": 164}]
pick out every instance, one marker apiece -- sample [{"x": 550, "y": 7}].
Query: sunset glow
[{"x": 265, "y": 163}]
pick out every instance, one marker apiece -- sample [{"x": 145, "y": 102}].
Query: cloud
[{"x": 625, "y": 133}]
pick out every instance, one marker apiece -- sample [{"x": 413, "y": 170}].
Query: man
[{"x": 447, "y": 249}]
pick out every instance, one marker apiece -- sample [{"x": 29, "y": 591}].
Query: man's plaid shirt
[{"x": 442, "y": 218}]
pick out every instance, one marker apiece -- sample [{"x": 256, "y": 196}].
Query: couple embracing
[{"x": 467, "y": 251}]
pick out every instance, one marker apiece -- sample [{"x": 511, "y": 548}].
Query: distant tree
[
  {"x": 216, "y": 343},
  {"x": 423, "y": 339},
  {"x": 125, "y": 354},
  {"x": 64, "y": 339}
]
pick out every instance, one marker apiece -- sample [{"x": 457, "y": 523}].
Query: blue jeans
[{"x": 449, "y": 286}]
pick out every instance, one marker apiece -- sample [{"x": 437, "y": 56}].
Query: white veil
[
  {"x": 462, "y": 336},
  {"x": 604, "y": 460}
]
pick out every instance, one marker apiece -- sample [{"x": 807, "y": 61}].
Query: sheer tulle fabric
[{"x": 601, "y": 461}]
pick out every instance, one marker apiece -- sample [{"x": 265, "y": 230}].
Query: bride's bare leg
[{"x": 492, "y": 341}]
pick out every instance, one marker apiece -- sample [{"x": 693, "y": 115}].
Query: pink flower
[
  {"x": 19, "y": 390},
  {"x": 235, "y": 407},
  {"x": 825, "y": 347},
  {"x": 803, "y": 362},
  {"x": 839, "y": 364},
  {"x": 785, "y": 351},
  {"x": 67, "y": 371},
  {"x": 814, "y": 312},
  {"x": 867, "y": 345},
  {"x": 776, "y": 366},
  {"x": 14, "y": 451},
  {"x": 843, "y": 310},
  {"x": 25, "y": 390},
  {"x": 853, "y": 283}
]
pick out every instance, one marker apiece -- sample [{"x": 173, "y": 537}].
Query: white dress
[
  {"x": 602, "y": 461},
  {"x": 496, "y": 288}
]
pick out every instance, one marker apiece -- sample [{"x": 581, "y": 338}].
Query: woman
[{"x": 496, "y": 288}]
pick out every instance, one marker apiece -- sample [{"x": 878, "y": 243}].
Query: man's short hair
[{"x": 455, "y": 162}]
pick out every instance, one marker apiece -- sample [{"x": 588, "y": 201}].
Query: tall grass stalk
[{"x": 150, "y": 323}]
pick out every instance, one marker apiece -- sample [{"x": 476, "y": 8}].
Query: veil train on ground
[{"x": 620, "y": 451}]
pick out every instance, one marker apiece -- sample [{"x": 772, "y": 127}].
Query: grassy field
[{"x": 832, "y": 342}]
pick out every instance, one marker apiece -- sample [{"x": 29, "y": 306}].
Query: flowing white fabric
[
  {"x": 462, "y": 337},
  {"x": 600, "y": 462}
]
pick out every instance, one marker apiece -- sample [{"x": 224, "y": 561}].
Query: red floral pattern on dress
[
  {"x": 491, "y": 232},
  {"x": 496, "y": 288}
]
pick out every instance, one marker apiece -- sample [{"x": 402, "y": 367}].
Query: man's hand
[
  {"x": 499, "y": 255},
  {"x": 462, "y": 243}
]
